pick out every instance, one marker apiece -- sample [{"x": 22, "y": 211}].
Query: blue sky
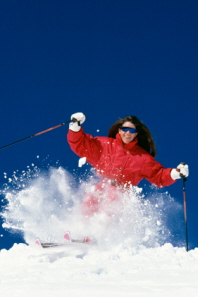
[{"x": 106, "y": 59}]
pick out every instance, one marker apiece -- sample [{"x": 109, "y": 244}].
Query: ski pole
[
  {"x": 185, "y": 211},
  {"x": 39, "y": 133},
  {"x": 184, "y": 179}
]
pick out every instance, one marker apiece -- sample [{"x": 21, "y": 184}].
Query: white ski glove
[
  {"x": 80, "y": 118},
  {"x": 181, "y": 171}
]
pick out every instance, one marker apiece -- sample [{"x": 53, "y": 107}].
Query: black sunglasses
[{"x": 131, "y": 130}]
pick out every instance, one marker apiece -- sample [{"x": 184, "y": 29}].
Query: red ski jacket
[{"x": 119, "y": 162}]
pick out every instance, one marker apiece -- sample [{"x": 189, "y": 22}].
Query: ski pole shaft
[
  {"x": 39, "y": 133},
  {"x": 185, "y": 212}
]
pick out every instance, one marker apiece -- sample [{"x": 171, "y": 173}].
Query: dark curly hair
[{"x": 144, "y": 137}]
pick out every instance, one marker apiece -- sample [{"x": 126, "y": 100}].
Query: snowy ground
[
  {"x": 134, "y": 255},
  {"x": 155, "y": 272}
]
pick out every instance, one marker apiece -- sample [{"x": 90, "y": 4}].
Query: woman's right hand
[{"x": 77, "y": 118}]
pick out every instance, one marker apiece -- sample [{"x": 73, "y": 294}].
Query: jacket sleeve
[
  {"x": 84, "y": 145},
  {"x": 155, "y": 173}
]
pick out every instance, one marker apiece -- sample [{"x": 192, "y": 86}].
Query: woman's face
[{"x": 127, "y": 136}]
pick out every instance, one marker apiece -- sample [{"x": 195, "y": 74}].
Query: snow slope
[{"x": 150, "y": 272}]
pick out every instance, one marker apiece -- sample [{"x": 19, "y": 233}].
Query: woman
[{"x": 122, "y": 159}]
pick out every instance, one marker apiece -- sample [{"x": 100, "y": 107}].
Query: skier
[{"x": 122, "y": 159}]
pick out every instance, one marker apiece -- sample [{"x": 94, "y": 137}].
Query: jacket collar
[{"x": 127, "y": 146}]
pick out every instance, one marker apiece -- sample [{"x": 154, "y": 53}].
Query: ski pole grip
[
  {"x": 75, "y": 120},
  {"x": 182, "y": 176}
]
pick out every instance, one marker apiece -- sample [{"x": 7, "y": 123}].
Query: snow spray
[{"x": 46, "y": 203}]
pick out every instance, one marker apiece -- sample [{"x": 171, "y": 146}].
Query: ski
[
  {"x": 68, "y": 239},
  {"x": 67, "y": 236},
  {"x": 48, "y": 244}
]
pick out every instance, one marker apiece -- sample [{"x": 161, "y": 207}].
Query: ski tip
[
  {"x": 67, "y": 236},
  {"x": 37, "y": 242}
]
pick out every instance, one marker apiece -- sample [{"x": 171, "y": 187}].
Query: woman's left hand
[{"x": 181, "y": 171}]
